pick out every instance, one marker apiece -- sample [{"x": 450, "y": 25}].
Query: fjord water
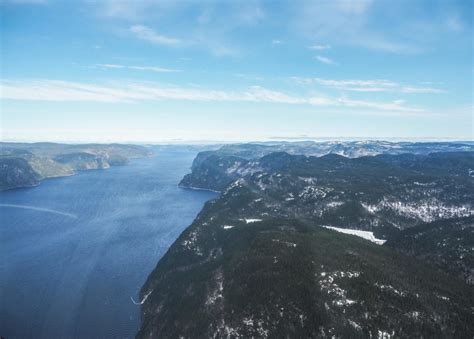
[{"x": 75, "y": 250}]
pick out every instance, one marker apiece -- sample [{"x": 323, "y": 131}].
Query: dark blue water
[{"x": 79, "y": 247}]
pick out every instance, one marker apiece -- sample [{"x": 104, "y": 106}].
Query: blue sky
[{"x": 159, "y": 71}]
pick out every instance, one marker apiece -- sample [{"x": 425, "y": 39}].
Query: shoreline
[{"x": 75, "y": 172}]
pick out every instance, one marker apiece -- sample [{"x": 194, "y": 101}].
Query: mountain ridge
[
  {"x": 256, "y": 261},
  {"x": 26, "y": 165}
]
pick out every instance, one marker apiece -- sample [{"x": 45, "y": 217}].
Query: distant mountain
[
  {"x": 23, "y": 164},
  {"x": 240, "y": 154},
  {"x": 83, "y": 160},
  {"x": 257, "y": 263},
  {"x": 350, "y": 149}
]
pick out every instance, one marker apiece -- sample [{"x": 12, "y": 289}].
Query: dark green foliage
[
  {"x": 446, "y": 244},
  {"x": 286, "y": 276},
  {"x": 383, "y": 193},
  {"x": 271, "y": 272}
]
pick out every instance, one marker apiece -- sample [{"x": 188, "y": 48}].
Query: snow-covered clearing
[{"x": 363, "y": 234}]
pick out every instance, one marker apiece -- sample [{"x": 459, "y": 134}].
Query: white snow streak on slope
[
  {"x": 143, "y": 300},
  {"x": 363, "y": 234}
]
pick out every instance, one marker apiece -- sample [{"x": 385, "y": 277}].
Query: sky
[{"x": 182, "y": 71}]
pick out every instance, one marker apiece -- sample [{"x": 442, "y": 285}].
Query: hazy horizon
[{"x": 237, "y": 141}]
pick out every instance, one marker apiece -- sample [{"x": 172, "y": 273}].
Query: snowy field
[{"x": 363, "y": 234}]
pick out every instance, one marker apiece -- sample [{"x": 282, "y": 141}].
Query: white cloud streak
[
  {"x": 325, "y": 60},
  {"x": 54, "y": 90},
  {"x": 351, "y": 23},
  {"x": 374, "y": 85},
  {"x": 318, "y": 47},
  {"x": 139, "y": 68},
  {"x": 148, "y": 34},
  {"x": 110, "y": 66},
  {"x": 421, "y": 90},
  {"x": 396, "y": 105}
]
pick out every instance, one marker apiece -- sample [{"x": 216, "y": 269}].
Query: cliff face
[
  {"x": 256, "y": 261},
  {"x": 83, "y": 161},
  {"x": 216, "y": 169},
  {"x": 383, "y": 194},
  {"x": 24, "y": 165},
  {"x": 212, "y": 171},
  {"x": 17, "y": 172}
]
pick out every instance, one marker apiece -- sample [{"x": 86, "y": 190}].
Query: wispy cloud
[
  {"x": 154, "y": 69},
  {"x": 54, "y": 90},
  {"x": 373, "y": 85},
  {"x": 148, "y": 34},
  {"x": 201, "y": 38},
  {"x": 319, "y": 47},
  {"x": 187, "y": 24},
  {"x": 354, "y": 83},
  {"x": 396, "y": 105},
  {"x": 276, "y": 42},
  {"x": 139, "y": 68},
  {"x": 110, "y": 66},
  {"x": 325, "y": 60},
  {"x": 128, "y": 10},
  {"x": 355, "y": 23},
  {"x": 421, "y": 90}
]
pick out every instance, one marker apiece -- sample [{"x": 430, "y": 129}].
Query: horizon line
[{"x": 240, "y": 141}]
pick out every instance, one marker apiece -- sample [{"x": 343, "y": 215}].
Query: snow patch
[
  {"x": 334, "y": 204},
  {"x": 217, "y": 293},
  {"x": 427, "y": 211},
  {"x": 237, "y": 183},
  {"x": 328, "y": 285},
  {"x": 391, "y": 289},
  {"x": 232, "y": 169},
  {"x": 314, "y": 192},
  {"x": 145, "y": 297},
  {"x": 190, "y": 243},
  {"x": 385, "y": 335},
  {"x": 249, "y": 221},
  {"x": 362, "y": 234}
]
